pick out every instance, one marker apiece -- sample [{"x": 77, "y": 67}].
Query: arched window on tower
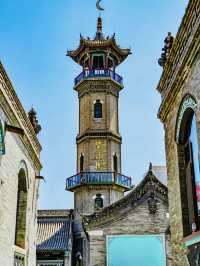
[
  {"x": 189, "y": 172},
  {"x": 98, "y": 109},
  {"x": 81, "y": 162},
  {"x": 20, "y": 230},
  {"x": 98, "y": 202},
  {"x": 2, "y": 143},
  {"x": 115, "y": 163}
]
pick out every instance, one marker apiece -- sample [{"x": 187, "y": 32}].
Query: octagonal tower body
[{"x": 98, "y": 181}]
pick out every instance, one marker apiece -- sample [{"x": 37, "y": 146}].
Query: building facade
[
  {"x": 19, "y": 178},
  {"x": 180, "y": 113}
]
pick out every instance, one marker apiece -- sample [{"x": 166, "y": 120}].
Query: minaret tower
[{"x": 98, "y": 181}]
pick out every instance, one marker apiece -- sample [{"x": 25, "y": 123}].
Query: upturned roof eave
[
  {"x": 104, "y": 214},
  {"x": 110, "y": 43}
]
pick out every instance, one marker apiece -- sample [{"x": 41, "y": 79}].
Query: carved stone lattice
[{"x": 188, "y": 102}]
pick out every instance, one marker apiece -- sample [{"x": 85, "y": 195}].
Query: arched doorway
[{"x": 188, "y": 162}]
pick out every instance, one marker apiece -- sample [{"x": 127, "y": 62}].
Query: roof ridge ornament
[
  {"x": 98, "y": 5},
  {"x": 99, "y": 33},
  {"x": 150, "y": 167}
]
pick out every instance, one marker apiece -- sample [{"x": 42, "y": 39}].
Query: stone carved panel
[
  {"x": 188, "y": 102},
  {"x": 101, "y": 147}
]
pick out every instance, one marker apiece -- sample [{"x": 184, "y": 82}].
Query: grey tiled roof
[
  {"x": 53, "y": 232},
  {"x": 142, "y": 192}
]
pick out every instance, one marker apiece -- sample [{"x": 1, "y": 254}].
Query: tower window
[
  {"x": 189, "y": 172},
  {"x": 98, "y": 202},
  {"x": 20, "y": 230},
  {"x": 115, "y": 163},
  {"x": 2, "y": 143},
  {"x": 98, "y": 109},
  {"x": 81, "y": 162},
  {"x": 98, "y": 62}
]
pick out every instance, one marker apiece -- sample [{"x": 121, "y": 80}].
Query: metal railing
[
  {"x": 96, "y": 178},
  {"x": 93, "y": 73}
]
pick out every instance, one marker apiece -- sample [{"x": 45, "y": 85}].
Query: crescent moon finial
[{"x": 98, "y": 6}]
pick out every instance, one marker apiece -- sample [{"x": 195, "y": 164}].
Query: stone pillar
[{"x": 67, "y": 258}]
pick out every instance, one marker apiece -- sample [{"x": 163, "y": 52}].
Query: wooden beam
[
  {"x": 13, "y": 129},
  {"x": 39, "y": 177}
]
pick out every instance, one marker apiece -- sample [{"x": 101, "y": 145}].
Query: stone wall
[
  {"x": 180, "y": 77},
  {"x": 85, "y": 195},
  {"x": 99, "y": 150},
  {"x": 192, "y": 87},
  {"x": 104, "y": 130},
  {"x": 107, "y": 92}
]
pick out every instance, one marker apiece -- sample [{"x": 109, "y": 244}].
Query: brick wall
[{"x": 129, "y": 221}]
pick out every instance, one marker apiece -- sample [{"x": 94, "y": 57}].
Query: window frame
[
  {"x": 98, "y": 198},
  {"x": 115, "y": 163},
  {"x": 2, "y": 139},
  {"x": 21, "y": 210},
  {"x": 81, "y": 162},
  {"x": 98, "y": 55},
  {"x": 98, "y": 113}
]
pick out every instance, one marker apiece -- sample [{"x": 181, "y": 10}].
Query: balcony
[
  {"x": 98, "y": 73},
  {"x": 98, "y": 178}
]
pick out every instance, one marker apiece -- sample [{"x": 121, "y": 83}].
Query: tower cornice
[
  {"x": 98, "y": 134},
  {"x": 93, "y": 85}
]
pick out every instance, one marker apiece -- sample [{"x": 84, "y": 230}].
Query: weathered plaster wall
[{"x": 16, "y": 157}]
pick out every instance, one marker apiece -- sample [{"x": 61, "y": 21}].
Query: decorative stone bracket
[{"x": 13, "y": 129}]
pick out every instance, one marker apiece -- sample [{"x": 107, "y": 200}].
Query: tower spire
[
  {"x": 99, "y": 24},
  {"x": 99, "y": 33}
]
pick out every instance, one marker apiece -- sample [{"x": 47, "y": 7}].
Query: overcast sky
[{"x": 35, "y": 36}]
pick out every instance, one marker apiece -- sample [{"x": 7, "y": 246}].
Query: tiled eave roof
[
  {"x": 86, "y": 44},
  {"x": 141, "y": 193},
  {"x": 53, "y": 232}
]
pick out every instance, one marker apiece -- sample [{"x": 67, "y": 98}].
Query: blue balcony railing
[
  {"x": 95, "y": 73},
  {"x": 95, "y": 178}
]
